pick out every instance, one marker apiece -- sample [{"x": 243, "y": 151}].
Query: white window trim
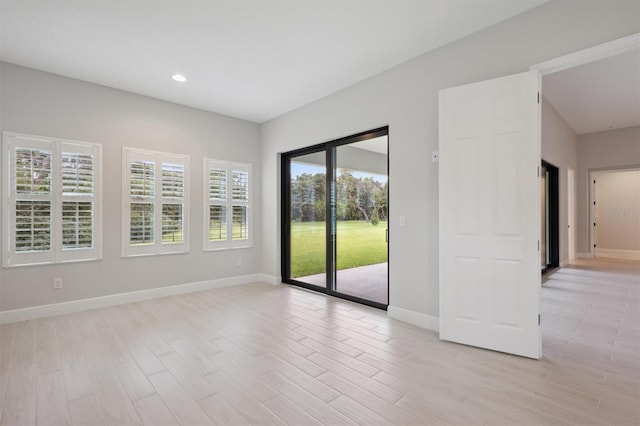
[
  {"x": 229, "y": 243},
  {"x": 56, "y": 254},
  {"x": 158, "y": 158}
]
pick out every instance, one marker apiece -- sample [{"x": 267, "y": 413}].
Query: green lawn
[{"x": 359, "y": 243}]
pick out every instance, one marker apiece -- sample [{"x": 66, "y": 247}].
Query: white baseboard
[
  {"x": 618, "y": 253},
  {"x": 54, "y": 309},
  {"x": 415, "y": 318},
  {"x": 584, "y": 256}
]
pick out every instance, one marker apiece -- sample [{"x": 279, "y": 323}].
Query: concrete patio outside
[{"x": 367, "y": 282}]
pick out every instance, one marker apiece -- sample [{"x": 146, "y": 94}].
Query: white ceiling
[
  {"x": 597, "y": 96},
  {"x": 251, "y": 59}
]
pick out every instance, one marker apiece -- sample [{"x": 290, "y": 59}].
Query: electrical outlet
[
  {"x": 57, "y": 283},
  {"x": 238, "y": 262},
  {"x": 403, "y": 221}
]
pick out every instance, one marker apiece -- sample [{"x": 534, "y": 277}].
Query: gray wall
[
  {"x": 49, "y": 105},
  {"x": 613, "y": 149},
  {"x": 560, "y": 148},
  {"x": 406, "y": 99},
  {"x": 617, "y": 198}
]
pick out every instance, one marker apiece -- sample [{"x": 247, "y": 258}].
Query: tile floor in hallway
[{"x": 263, "y": 354}]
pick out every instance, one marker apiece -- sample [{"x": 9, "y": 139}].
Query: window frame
[
  {"x": 158, "y": 200},
  {"x": 56, "y": 252},
  {"x": 229, "y": 167}
]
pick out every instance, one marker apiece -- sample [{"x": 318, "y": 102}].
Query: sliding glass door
[
  {"x": 307, "y": 212},
  {"x": 360, "y": 213},
  {"x": 335, "y": 209}
]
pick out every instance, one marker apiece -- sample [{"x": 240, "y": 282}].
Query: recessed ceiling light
[{"x": 179, "y": 77}]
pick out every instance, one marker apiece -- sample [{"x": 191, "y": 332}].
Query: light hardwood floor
[{"x": 263, "y": 354}]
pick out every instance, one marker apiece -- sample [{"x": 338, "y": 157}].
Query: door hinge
[
  {"x": 538, "y": 171},
  {"x": 538, "y": 97},
  {"x": 538, "y": 245},
  {"x": 538, "y": 319}
]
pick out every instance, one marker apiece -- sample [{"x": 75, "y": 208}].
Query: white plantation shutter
[
  {"x": 78, "y": 172},
  {"x": 77, "y": 225},
  {"x": 227, "y": 207},
  {"x": 217, "y": 223},
  {"x": 173, "y": 181},
  {"x": 33, "y": 168},
  {"x": 218, "y": 183},
  {"x": 142, "y": 177},
  {"x": 142, "y": 224},
  {"x": 156, "y": 187},
  {"x": 240, "y": 202},
  {"x": 53, "y": 200},
  {"x": 32, "y": 226},
  {"x": 217, "y": 189},
  {"x": 240, "y": 186},
  {"x": 32, "y": 208},
  {"x": 172, "y": 203}
]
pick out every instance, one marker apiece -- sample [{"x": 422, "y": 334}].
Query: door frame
[
  {"x": 330, "y": 269},
  {"x": 588, "y": 55},
  {"x": 553, "y": 244},
  {"x": 571, "y": 215},
  {"x": 581, "y": 57},
  {"x": 285, "y": 229}
]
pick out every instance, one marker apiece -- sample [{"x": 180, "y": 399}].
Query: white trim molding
[
  {"x": 590, "y": 54},
  {"x": 412, "y": 317},
  {"x": 618, "y": 253},
  {"x": 34, "y": 312},
  {"x": 584, "y": 256}
]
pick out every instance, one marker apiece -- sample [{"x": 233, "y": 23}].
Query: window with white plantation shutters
[
  {"x": 53, "y": 200},
  {"x": 155, "y": 187},
  {"x": 227, "y": 206}
]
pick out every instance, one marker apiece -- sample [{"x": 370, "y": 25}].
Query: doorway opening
[
  {"x": 615, "y": 213},
  {"x": 550, "y": 217},
  {"x": 335, "y": 218},
  {"x": 571, "y": 214}
]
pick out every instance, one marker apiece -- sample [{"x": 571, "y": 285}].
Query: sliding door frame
[
  {"x": 285, "y": 209},
  {"x": 553, "y": 244},
  {"x": 330, "y": 241}
]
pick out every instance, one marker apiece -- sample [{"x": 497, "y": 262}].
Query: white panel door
[{"x": 490, "y": 215}]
